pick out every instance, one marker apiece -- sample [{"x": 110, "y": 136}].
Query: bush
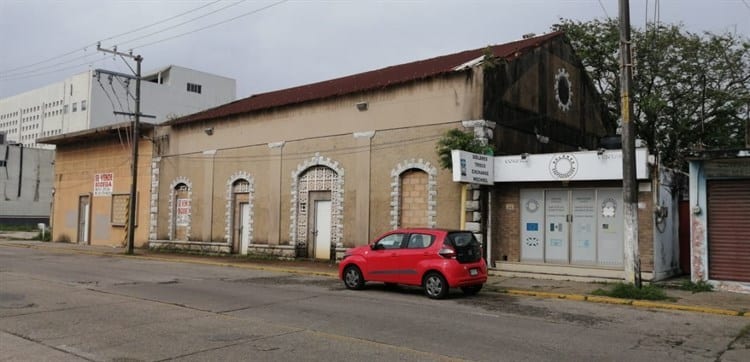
[
  {"x": 629, "y": 291},
  {"x": 700, "y": 286},
  {"x": 46, "y": 237}
]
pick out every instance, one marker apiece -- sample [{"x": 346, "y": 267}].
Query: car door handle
[{"x": 393, "y": 254}]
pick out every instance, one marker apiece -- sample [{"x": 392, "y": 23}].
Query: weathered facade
[
  {"x": 303, "y": 171},
  {"x": 719, "y": 226},
  {"x": 562, "y": 214},
  {"x": 92, "y": 185},
  {"x": 25, "y": 184}
]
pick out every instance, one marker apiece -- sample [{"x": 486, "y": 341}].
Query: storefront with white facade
[{"x": 562, "y": 214}]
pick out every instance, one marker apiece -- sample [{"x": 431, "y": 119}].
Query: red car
[{"x": 434, "y": 259}]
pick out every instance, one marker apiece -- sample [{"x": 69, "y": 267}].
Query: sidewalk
[{"x": 716, "y": 302}]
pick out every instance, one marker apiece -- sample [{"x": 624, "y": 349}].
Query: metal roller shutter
[{"x": 729, "y": 230}]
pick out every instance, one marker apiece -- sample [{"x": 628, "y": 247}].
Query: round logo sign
[{"x": 563, "y": 166}]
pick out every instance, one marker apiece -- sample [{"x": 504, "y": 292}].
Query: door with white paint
[
  {"x": 557, "y": 208},
  {"x": 322, "y": 229},
  {"x": 244, "y": 231},
  {"x": 84, "y": 207},
  {"x": 583, "y": 227}
]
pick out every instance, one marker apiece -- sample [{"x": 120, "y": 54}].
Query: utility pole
[
  {"x": 136, "y": 135},
  {"x": 629, "y": 185}
]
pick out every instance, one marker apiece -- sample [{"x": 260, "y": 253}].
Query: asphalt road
[{"x": 70, "y": 307}]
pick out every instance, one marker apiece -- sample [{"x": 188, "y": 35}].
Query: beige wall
[
  {"x": 406, "y": 121},
  {"x": 75, "y": 167}
]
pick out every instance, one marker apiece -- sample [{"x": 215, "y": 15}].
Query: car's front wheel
[
  {"x": 472, "y": 290},
  {"x": 353, "y": 278},
  {"x": 435, "y": 285}
]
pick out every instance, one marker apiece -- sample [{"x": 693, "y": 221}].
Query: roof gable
[{"x": 376, "y": 79}]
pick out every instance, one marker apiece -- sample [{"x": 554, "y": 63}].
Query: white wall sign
[
  {"x": 473, "y": 168},
  {"x": 103, "y": 184},
  {"x": 183, "y": 212},
  {"x": 570, "y": 166}
]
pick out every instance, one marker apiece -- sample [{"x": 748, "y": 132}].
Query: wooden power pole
[{"x": 629, "y": 185}]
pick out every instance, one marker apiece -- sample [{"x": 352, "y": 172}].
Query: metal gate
[{"x": 729, "y": 230}]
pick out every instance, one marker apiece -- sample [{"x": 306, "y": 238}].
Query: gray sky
[{"x": 295, "y": 42}]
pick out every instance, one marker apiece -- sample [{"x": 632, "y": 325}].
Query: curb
[
  {"x": 634, "y": 303},
  {"x": 529, "y": 293}
]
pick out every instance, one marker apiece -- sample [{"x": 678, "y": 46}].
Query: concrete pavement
[{"x": 715, "y": 302}]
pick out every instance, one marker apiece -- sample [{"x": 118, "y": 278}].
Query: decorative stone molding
[
  {"x": 228, "y": 219},
  {"x": 298, "y": 224},
  {"x": 483, "y": 130},
  {"x": 175, "y": 182},
  {"x": 367, "y": 134},
  {"x": 154, "y": 199},
  {"x": 431, "y": 171}
]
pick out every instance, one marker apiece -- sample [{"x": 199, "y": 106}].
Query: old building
[
  {"x": 92, "y": 185},
  {"x": 25, "y": 184},
  {"x": 298, "y": 171},
  {"x": 720, "y": 218}
]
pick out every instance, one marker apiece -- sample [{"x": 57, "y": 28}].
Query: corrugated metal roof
[
  {"x": 376, "y": 79},
  {"x": 92, "y": 133}
]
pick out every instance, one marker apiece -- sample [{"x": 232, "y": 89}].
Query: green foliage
[
  {"x": 690, "y": 91},
  {"x": 700, "y": 286},
  {"x": 630, "y": 291},
  {"x": 456, "y": 139},
  {"x": 4, "y": 227},
  {"x": 46, "y": 237}
]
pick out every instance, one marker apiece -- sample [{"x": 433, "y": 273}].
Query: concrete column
[
  {"x": 476, "y": 206},
  {"x": 208, "y": 197},
  {"x": 362, "y": 193},
  {"x": 274, "y": 192}
]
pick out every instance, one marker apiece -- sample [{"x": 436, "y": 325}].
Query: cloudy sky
[{"x": 271, "y": 44}]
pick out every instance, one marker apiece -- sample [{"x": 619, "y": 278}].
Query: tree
[
  {"x": 456, "y": 139},
  {"x": 690, "y": 91}
]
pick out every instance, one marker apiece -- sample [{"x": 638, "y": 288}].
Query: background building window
[
  {"x": 83, "y": 105},
  {"x": 195, "y": 88}
]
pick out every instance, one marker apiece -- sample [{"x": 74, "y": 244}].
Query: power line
[
  {"x": 604, "y": 9},
  {"x": 180, "y": 24},
  {"x": 85, "y": 47},
  {"x": 213, "y": 25},
  {"x": 33, "y": 73}
]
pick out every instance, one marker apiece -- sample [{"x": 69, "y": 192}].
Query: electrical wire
[
  {"x": 25, "y": 74},
  {"x": 180, "y": 24},
  {"x": 212, "y": 25},
  {"x": 85, "y": 47}
]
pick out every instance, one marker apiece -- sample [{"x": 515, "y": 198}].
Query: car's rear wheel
[
  {"x": 353, "y": 278},
  {"x": 472, "y": 290},
  {"x": 435, "y": 285}
]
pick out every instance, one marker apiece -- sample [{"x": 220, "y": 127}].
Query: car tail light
[{"x": 447, "y": 252}]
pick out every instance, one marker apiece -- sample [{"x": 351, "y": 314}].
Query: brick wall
[{"x": 413, "y": 199}]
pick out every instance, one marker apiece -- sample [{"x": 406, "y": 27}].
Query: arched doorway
[
  {"x": 181, "y": 212},
  {"x": 241, "y": 216},
  {"x": 317, "y": 198}
]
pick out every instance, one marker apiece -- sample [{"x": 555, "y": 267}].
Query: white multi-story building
[{"x": 89, "y": 100}]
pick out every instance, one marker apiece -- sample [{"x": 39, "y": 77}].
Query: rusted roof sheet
[
  {"x": 376, "y": 79},
  {"x": 119, "y": 129}
]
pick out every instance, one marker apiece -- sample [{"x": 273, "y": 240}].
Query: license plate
[{"x": 473, "y": 272}]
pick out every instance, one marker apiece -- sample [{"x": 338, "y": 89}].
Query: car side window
[
  {"x": 392, "y": 241},
  {"x": 420, "y": 241}
]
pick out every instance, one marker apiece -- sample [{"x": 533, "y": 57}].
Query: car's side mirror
[{"x": 376, "y": 246}]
